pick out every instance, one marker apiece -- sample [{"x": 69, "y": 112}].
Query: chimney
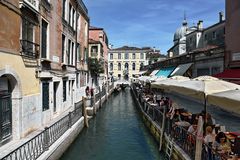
[
  {"x": 221, "y": 17},
  {"x": 200, "y": 25}
]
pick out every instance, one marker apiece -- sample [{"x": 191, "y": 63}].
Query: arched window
[
  {"x": 133, "y": 56},
  {"x": 141, "y": 65},
  {"x": 111, "y": 56},
  {"x": 133, "y": 66},
  {"x": 119, "y": 56},
  {"x": 126, "y": 66},
  {"x": 111, "y": 66},
  {"x": 119, "y": 66}
]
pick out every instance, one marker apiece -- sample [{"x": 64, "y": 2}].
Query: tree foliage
[{"x": 96, "y": 66}]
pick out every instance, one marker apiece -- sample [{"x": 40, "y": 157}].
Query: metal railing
[
  {"x": 185, "y": 140},
  {"x": 34, "y": 148},
  {"x": 29, "y": 49}
]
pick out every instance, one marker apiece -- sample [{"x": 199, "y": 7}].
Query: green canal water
[{"x": 116, "y": 133}]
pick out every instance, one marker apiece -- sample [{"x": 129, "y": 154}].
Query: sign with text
[{"x": 236, "y": 57}]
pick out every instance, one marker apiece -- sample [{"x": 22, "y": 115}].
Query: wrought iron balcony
[{"x": 29, "y": 49}]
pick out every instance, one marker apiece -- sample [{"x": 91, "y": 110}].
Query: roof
[
  {"x": 127, "y": 48},
  {"x": 95, "y": 28},
  {"x": 91, "y": 41}
]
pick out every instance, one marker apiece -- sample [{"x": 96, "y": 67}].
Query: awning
[
  {"x": 229, "y": 74},
  {"x": 228, "y": 100},
  {"x": 165, "y": 72},
  {"x": 154, "y": 73},
  {"x": 181, "y": 69},
  {"x": 141, "y": 72}
]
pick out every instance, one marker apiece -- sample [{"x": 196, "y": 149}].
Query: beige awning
[
  {"x": 228, "y": 100},
  {"x": 203, "y": 86}
]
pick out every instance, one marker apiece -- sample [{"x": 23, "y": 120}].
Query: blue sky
[{"x": 151, "y": 23}]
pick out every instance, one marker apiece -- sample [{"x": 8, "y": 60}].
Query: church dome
[{"x": 180, "y": 32}]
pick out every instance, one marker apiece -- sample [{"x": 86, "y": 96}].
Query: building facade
[
  {"x": 99, "y": 35},
  {"x": 43, "y": 63},
  {"x": 126, "y": 62}
]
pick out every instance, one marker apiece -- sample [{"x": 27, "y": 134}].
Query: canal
[{"x": 117, "y": 132}]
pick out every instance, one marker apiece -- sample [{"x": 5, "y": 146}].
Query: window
[
  {"x": 111, "y": 56},
  {"x": 73, "y": 19},
  {"x": 85, "y": 55},
  {"x": 111, "y": 66},
  {"x": 141, "y": 65},
  {"x": 64, "y": 9},
  {"x": 72, "y": 55},
  {"x": 119, "y": 66},
  {"x": 78, "y": 52},
  {"x": 45, "y": 95},
  {"x": 27, "y": 38},
  {"x": 205, "y": 37},
  {"x": 203, "y": 71},
  {"x": 133, "y": 56},
  {"x": 141, "y": 56},
  {"x": 44, "y": 39},
  {"x": 69, "y": 51},
  {"x": 126, "y": 55},
  {"x": 77, "y": 80},
  {"x": 126, "y": 66},
  {"x": 70, "y": 14},
  {"x": 63, "y": 47},
  {"x": 214, "y": 35},
  {"x": 64, "y": 90},
  {"x": 133, "y": 66},
  {"x": 119, "y": 56}
]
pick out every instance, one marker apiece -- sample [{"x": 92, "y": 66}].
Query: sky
[{"x": 151, "y": 23}]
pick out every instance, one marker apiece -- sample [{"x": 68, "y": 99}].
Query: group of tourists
[{"x": 216, "y": 143}]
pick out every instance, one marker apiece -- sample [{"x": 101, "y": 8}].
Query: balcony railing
[{"x": 29, "y": 49}]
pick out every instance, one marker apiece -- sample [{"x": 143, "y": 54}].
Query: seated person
[
  {"x": 210, "y": 137},
  {"x": 221, "y": 144},
  {"x": 193, "y": 128}
]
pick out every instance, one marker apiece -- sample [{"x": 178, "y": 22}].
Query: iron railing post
[
  {"x": 69, "y": 119},
  {"x": 46, "y": 139}
]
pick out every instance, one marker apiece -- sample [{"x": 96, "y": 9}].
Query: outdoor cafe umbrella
[
  {"x": 228, "y": 100},
  {"x": 166, "y": 83},
  {"x": 202, "y": 86}
]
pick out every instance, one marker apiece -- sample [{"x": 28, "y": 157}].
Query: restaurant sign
[{"x": 236, "y": 57}]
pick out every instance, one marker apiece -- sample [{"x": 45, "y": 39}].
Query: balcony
[
  {"x": 29, "y": 49},
  {"x": 32, "y": 4}
]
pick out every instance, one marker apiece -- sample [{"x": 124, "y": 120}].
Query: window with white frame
[
  {"x": 133, "y": 56},
  {"x": 44, "y": 39},
  {"x": 126, "y": 56},
  {"x": 69, "y": 13},
  {"x": 111, "y": 66},
  {"x": 63, "y": 48},
  {"x": 119, "y": 56},
  {"x": 133, "y": 66},
  {"x": 64, "y": 9},
  {"x": 119, "y": 66},
  {"x": 111, "y": 56}
]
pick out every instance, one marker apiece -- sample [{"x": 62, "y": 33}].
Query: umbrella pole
[{"x": 205, "y": 113}]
